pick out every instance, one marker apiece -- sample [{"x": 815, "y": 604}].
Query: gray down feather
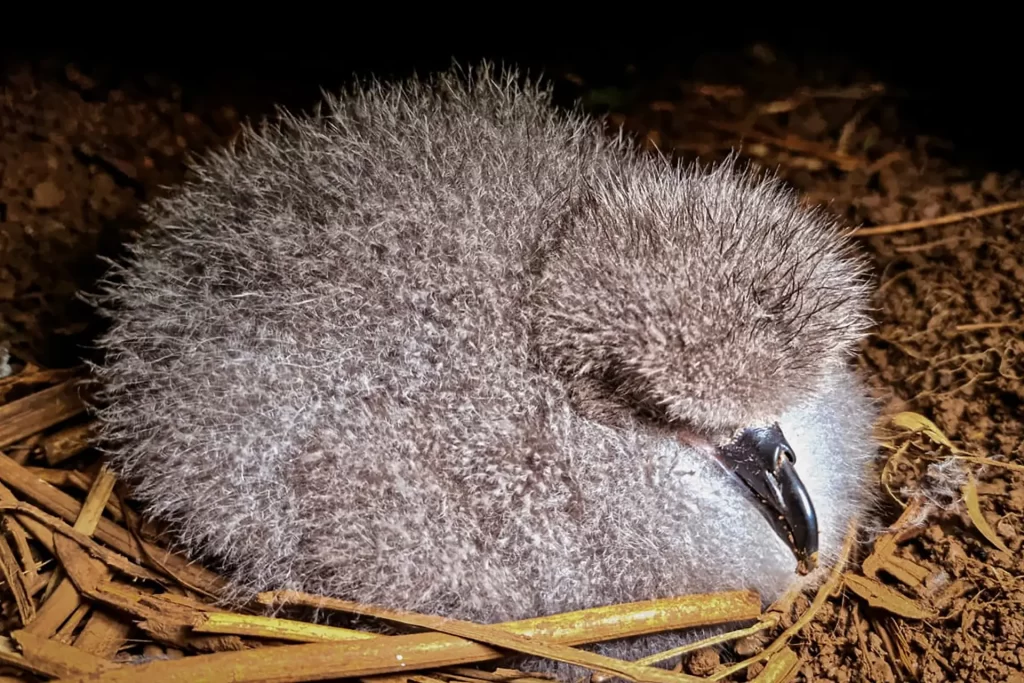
[{"x": 430, "y": 346}]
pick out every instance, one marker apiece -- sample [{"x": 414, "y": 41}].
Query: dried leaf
[
  {"x": 824, "y": 591},
  {"x": 970, "y": 491},
  {"x": 883, "y": 557},
  {"x": 879, "y": 595},
  {"x": 377, "y": 656},
  {"x": 916, "y": 422}
]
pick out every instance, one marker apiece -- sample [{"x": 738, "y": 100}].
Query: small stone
[{"x": 47, "y": 195}]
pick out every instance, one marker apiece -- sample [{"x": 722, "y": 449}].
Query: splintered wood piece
[
  {"x": 41, "y": 410},
  {"x": 117, "y": 537},
  {"x": 591, "y": 625},
  {"x": 65, "y": 599},
  {"x": 67, "y": 631},
  {"x": 33, "y": 375},
  {"x": 103, "y": 634},
  {"x": 16, "y": 582},
  {"x": 29, "y": 574},
  {"x": 67, "y": 443},
  {"x": 166, "y": 618},
  {"x": 44, "y": 528},
  {"x": 58, "y": 659},
  {"x": 28, "y": 561}
]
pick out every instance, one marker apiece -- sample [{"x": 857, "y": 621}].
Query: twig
[
  {"x": 941, "y": 220},
  {"x": 278, "y": 629},
  {"x": 975, "y": 327},
  {"x": 844, "y": 162},
  {"x": 595, "y": 624},
  {"x": 766, "y": 623},
  {"x": 500, "y": 637}
]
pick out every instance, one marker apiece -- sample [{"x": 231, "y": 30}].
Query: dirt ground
[{"x": 79, "y": 151}]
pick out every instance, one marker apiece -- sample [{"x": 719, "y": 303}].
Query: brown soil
[{"x": 79, "y": 151}]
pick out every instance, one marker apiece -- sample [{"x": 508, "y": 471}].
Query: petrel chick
[{"x": 440, "y": 345}]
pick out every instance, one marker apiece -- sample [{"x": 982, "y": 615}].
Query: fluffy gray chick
[{"x": 442, "y": 347}]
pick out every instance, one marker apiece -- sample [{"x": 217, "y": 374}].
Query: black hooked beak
[{"x": 763, "y": 459}]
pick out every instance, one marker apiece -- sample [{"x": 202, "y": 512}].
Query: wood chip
[
  {"x": 104, "y": 633},
  {"x": 67, "y": 630},
  {"x": 60, "y": 660},
  {"x": 41, "y": 410},
  {"x": 67, "y": 443}
]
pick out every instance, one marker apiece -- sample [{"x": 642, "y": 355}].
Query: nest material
[{"x": 91, "y": 592}]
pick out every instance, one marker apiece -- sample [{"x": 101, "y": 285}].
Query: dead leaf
[
  {"x": 970, "y": 491},
  {"x": 915, "y": 422},
  {"x": 879, "y": 595}
]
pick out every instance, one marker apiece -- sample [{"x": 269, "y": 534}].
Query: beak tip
[{"x": 806, "y": 564}]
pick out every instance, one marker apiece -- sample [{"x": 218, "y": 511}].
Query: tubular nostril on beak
[{"x": 763, "y": 460}]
